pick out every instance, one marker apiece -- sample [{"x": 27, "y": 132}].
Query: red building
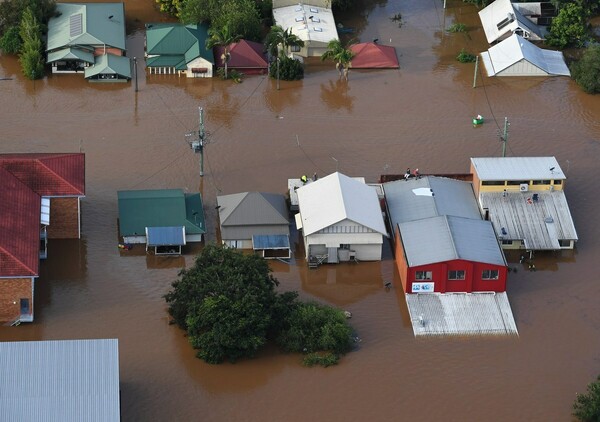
[
  {"x": 39, "y": 199},
  {"x": 441, "y": 242}
]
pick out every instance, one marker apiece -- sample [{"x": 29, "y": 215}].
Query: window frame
[{"x": 490, "y": 276}]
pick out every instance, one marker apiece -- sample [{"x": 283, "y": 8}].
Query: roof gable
[
  {"x": 252, "y": 208},
  {"x": 371, "y": 55},
  {"x": 185, "y": 42},
  {"x": 243, "y": 54},
  {"x": 337, "y": 197}
]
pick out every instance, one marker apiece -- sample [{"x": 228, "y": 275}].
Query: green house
[
  {"x": 163, "y": 218},
  {"x": 173, "y": 48}
]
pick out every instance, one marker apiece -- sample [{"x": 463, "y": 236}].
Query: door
[{"x": 25, "y": 310}]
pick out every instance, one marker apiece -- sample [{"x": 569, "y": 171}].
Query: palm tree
[
  {"x": 280, "y": 40},
  {"x": 340, "y": 54},
  {"x": 224, "y": 38}
]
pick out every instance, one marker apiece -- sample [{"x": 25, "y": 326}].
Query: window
[
  {"x": 295, "y": 48},
  {"x": 558, "y": 182},
  {"x": 492, "y": 183},
  {"x": 489, "y": 275},
  {"x": 506, "y": 242},
  {"x": 517, "y": 182},
  {"x": 423, "y": 275},
  {"x": 345, "y": 246},
  {"x": 541, "y": 182},
  {"x": 565, "y": 243},
  {"x": 456, "y": 275}
]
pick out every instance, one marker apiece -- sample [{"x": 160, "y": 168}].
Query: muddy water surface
[{"x": 379, "y": 121}]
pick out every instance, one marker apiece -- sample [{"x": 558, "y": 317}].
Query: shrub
[
  {"x": 325, "y": 360},
  {"x": 289, "y": 69},
  {"x": 587, "y": 406},
  {"x": 586, "y": 71},
  {"x": 457, "y": 27},
  {"x": 465, "y": 57}
]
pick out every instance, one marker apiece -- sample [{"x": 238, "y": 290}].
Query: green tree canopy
[
  {"x": 10, "y": 42},
  {"x": 279, "y": 41},
  {"x": 31, "y": 58},
  {"x": 340, "y": 54},
  {"x": 242, "y": 17},
  {"x": 587, "y": 406},
  {"x": 586, "y": 71},
  {"x": 569, "y": 27}
]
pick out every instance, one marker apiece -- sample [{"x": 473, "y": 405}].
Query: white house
[
  {"x": 341, "y": 220},
  {"x": 501, "y": 19}
]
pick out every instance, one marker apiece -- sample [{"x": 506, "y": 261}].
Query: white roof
[
  {"x": 517, "y": 168},
  {"x": 501, "y": 18},
  {"x": 62, "y": 381},
  {"x": 335, "y": 198},
  {"x": 514, "y": 49},
  {"x": 320, "y": 28}
]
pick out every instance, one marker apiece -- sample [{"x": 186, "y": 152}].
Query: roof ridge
[
  {"x": 446, "y": 219},
  {"x": 262, "y": 195},
  {"x": 244, "y": 196},
  {"x": 39, "y": 160}
]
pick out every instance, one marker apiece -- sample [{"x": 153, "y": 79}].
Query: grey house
[{"x": 255, "y": 220}]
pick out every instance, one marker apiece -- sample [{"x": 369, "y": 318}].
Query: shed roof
[
  {"x": 500, "y": 18},
  {"x": 370, "y": 55},
  {"x": 413, "y": 200},
  {"x": 60, "y": 381},
  {"x": 252, "y": 208},
  {"x": 297, "y": 18},
  {"x": 337, "y": 197},
  {"x": 517, "y": 168},
  {"x": 176, "y": 44},
  {"x": 110, "y": 64},
  {"x": 514, "y": 49},
  {"x": 92, "y": 24},
  {"x": 447, "y": 238},
  {"x": 243, "y": 54},
  {"x": 165, "y": 236},
  {"x": 139, "y": 209}
]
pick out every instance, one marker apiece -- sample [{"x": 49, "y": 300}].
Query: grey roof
[
  {"x": 276, "y": 241},
  {"x": 87, "y": 24},
  {"x": 60, "y": 381},
  {"x": 509, "y": 56},
  {"x": 252, "y": 208},
  {"x": 406, "y": 201},
  {"x": 435, "y": 314},
  {"x": 110, "y": 64},
  {"x": 541, "y": 224},
  {"x": 517, "y": 168},
  {"x": 446, "y": 238},
  {"x": 165, "y": 236}
]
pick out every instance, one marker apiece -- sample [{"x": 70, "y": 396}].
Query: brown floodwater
[{"x": 378, "y": 122}]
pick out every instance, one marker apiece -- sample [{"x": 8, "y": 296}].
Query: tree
[
  {"x": 224, "y": 38},
  {"x": 586, "y": 71},
  {"x": 587, "y": 406},
  {"x": 279, "y": 41},
  {"x": 340, "y": 54},
  {"x": 10, "y": 42},
  {"x": 242, "y": 17},
  {"x": 197, "y": 11},
  {"x": 225, "y": 302},
  {"x": 569, "y": 27},
  {"x": 31, "y": 58},
  {"x": 11, "y": 16}
]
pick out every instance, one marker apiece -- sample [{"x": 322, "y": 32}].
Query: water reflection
[{"x": 335, "y": 95}]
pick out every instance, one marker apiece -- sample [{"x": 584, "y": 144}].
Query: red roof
[
  {"x": 244, "y": 55},
  {"x": 24, "y": 179},
  {"x": 370, "y": 55}
]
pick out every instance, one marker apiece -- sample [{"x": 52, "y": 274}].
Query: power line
[{"x": 160, "y": 170}]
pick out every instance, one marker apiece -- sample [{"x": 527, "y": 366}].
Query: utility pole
[
  {"x": 475, "y": 74},
  {"x": 277, "y": 73},
  {"x": 135, "y": 73},
  {"x": 198, "y": 144},
  {"x": 504, "y": 137}
]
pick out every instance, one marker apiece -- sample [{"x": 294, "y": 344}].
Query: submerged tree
[
  {"x": 569, "y": 27},
  {"x": 586, "y": 71},
  {"x": 587, "y": 406},
  {"x": 280, "y": 41},
  {"x": 222, "y": 37},
  {"x": 340, "y": 54},
  {"x": 31, "y": 58}
]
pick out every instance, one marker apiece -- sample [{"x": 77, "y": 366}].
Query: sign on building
[{"x": 423, "y": 287}]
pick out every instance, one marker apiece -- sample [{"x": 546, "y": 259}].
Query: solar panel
[{"x": 75, "y": 25}]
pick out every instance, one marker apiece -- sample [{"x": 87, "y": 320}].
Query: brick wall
[
  {"x": 12, "y": 290},
  {"x": 64, "y": 218}
]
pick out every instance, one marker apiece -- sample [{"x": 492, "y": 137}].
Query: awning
[
  {"x": 273, "y": 241},
  {"x": 165, "y": 236}
]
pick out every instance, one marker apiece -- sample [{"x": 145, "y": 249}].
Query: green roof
[
  {"x": 109, "y": 64},
  {"x": 87, "y": 24},
  {"x": 71, "y": 54},
  {"x": 176, "y": 45},
  {"x": 139, "y": 209}
]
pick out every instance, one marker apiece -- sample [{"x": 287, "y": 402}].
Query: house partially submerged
[
  {"x": 60, "y": 380},
  {"x": 515, "y": 56},
  {"x": 163, "y": 219},
  {"x": 174, "y": 48},
  {"x": 525, "y": 200},
  {"x": 310, "y": 21},
  {"x": 371, "y": 55},
  {"x": 39, "y": 200},
  {"x": 340, "y": 219},
  {"x": 89, "y": 38},
  {"x": 255, "y": 220},
  {"x": 247, "y": 57},
  {"x": 501, "y": 19}
]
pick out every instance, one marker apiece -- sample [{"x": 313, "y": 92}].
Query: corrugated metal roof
[
  {"x": 501, "y": 13},
  {"x": 446, "y": 238},
  {"x": 337, "y": 197},
  {"x": 541, "y": 224},
  {"x": 435, "y": 314},
  {"x": 252, "y": 208},
  {"x": 139, "y": 209},
  {"x": 450, "y": 197},
  {"x": 514, "y": 49},
  {"x": 71, "y": 53},
  {"x": 517, "y": 168},
  {"x": 60, "y": 381},
  {"x": 176, "y": 44},
  {"x": 101, "y": 24},
  {"x": 110, "y": 64},
  {"x": 281, "y": 241},
  {"x": 165, "y": 236},
  {"x": 297, "y": 18}
]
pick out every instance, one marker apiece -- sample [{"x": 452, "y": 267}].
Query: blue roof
[
  {"x": 165, "y": 236},
  {"x": 271, "y": 241}
]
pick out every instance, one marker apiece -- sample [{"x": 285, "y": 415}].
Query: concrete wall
[
  {"x": 64, "y": 218},
  {"x": 12, "y": 290}
]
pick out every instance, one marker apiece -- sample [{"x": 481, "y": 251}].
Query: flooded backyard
[{"x": 377, "y": 122}]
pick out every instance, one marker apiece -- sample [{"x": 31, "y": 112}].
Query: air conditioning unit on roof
[{"x": 523, "y": 187}]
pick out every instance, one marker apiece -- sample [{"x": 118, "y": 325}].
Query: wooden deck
[
  {"x": 461, "y": 314},
  {"x": 540, "y": 224}
]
